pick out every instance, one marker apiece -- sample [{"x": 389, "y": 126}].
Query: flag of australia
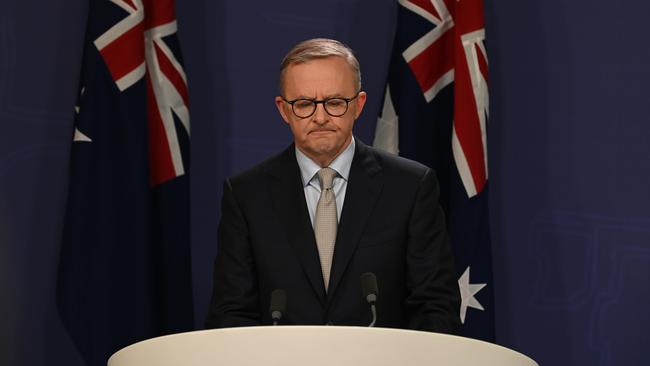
[
  {"x": 435, "y": 111},
  {"x": 124, "y": 273}
]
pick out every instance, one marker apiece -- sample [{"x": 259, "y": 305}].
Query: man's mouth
[{"x": 321, "y": 131}]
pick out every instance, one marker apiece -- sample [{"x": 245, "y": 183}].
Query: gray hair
[{"x": 319, "y": 48}]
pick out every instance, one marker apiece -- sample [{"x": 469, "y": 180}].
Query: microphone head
[
  {"x": 369, "y": 287},
  {"x": 278, "y": 304}
]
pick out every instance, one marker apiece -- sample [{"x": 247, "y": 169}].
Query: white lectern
[{"x": 306, "y": 345}]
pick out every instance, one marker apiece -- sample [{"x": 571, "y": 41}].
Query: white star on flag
[
  {"x": 467, "y": 292},
  {"x": 78, "y": 135},
  {"x": 387, "y": 129}
]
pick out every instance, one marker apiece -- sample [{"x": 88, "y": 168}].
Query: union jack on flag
[
  {"x": 135, "y": 48},
  {"x": 124, "y": 272},
  {"x": 435, "y": 111}
]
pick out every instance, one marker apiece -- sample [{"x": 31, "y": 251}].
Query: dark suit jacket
[{"x": 391, "y": 224}]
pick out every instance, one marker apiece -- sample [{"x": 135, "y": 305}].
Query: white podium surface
[{"x": 314, "y": 345}]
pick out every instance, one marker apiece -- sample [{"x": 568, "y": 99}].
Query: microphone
[
  {"x": 278, "y": 305},
  {"x": 370, "y": 292}
]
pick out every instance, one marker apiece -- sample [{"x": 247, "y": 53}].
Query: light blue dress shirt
[{"x": 311, "y": 185}]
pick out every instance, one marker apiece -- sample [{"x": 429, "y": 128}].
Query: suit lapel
[
  {"x": 364, "y": 187},
  {"x": 288, "y": 198}
]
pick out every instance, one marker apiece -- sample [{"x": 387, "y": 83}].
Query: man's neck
[{"x": 342, "y": 163}]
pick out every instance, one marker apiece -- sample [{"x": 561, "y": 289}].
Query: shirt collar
[{"x": 342, "y": 164}]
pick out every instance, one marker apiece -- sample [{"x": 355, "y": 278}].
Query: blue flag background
[
  {"x": 425, "y": 135},
  {"x": 568, "y": 132},
  {"x": 124, "y": 272}
]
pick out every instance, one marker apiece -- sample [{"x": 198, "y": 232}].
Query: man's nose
[{"x": 320, "y": 115}]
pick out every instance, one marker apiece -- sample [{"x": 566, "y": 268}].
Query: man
[{"x": 314, "y": 218}]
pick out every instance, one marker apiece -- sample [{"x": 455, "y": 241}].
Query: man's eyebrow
[
  {"x": 335, "y": 95},
  {"x": 302, "y": 96},
  {"x": 329, "y": 96}
]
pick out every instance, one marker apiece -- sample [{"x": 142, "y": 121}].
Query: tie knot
[{"x": 326, "y": 176}]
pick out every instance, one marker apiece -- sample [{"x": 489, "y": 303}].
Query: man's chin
[
  {"x": 320, "y": 150},
  {"x": 321, "y": 143}
]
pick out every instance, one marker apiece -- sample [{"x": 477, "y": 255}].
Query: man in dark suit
[{"x": 315, "y": 217}]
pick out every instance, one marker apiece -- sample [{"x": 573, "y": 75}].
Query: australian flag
[
  {"x": 435, "y": 111},
  {"x": 124, "y": 273}
]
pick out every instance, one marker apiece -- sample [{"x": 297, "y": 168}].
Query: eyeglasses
[{"x": 335, "y": 107}]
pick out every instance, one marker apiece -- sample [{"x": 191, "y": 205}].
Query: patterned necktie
[{"x": 326, "y": 222}]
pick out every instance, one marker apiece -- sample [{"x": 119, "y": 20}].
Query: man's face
[{"x": 321, "y": 136}]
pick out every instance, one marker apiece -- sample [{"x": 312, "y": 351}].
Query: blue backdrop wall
[{"x": 568, "y": 156}]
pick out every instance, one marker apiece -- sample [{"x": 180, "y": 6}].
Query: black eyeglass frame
[{"x": 323, "y": 102}]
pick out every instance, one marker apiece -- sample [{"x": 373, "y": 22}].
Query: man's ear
[
  {"x": 360, "y": 102},
  {"x": 280, "y": 103}
]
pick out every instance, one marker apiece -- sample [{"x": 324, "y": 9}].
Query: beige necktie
[{"x": 326, "y": 222}]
